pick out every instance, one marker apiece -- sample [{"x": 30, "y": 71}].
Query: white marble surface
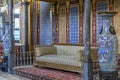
[{"x": 6, "y": 76}]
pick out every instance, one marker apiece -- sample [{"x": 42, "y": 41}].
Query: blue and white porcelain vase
[
  {"x": 6, "y": 40},
  {"x": 107, "y": 43}
]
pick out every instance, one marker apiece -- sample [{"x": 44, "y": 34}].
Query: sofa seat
[{"x": 60, "y": 59}]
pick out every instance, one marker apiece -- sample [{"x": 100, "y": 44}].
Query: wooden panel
[{"x": 62, "y": 25}]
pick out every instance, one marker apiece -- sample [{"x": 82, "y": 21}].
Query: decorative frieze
[
  {"x": 68, "y": 6},
  {"x": 111, "y": 5},
  {"x": 94, "y": 24},
  {"x": 81, "y": 11}
]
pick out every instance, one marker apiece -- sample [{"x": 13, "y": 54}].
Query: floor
[
  {"x": 6, "y": 76},
  {"x": 36, "y": 73}
]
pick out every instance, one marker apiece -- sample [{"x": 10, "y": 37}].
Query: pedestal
[{"x": 108, "y": 75}]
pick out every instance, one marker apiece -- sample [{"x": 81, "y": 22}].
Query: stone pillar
[
  {"x": 26, "y": 48},
  {"x": 11, "y": 36},
  {"x": 87, "y": 63}
]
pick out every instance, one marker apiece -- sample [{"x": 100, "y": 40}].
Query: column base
[
  {"x": 108, "y": 75},
  {"x": 87, "y": 69}
]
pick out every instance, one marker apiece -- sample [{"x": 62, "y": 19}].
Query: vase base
[{"x": 108, "y": 75}]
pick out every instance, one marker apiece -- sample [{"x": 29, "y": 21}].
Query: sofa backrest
[
  {"x": 42, "y": 50},
  {"x": 69, "y": 50},
  {"x": 76, "y": 51}
]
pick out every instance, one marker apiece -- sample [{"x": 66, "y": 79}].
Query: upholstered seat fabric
[{"x": 60, "y": 59}]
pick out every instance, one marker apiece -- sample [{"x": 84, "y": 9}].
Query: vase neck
[{"x": 107, "y": 22}]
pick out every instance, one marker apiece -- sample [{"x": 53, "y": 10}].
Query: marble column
[
  {"x": 26, "y": 4},
  {"x": 11, "y": 36},
  {"x": 87, "y": 63}
]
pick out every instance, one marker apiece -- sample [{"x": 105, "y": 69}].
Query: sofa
[{"x": 63, "y": 57}]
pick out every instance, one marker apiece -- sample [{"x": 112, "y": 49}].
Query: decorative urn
[
  {"x": 107, "y": 43},
  {"x": 6, "y": 39}
]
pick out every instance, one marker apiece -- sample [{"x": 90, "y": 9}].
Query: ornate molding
[
  {"x": 94, "y": 22},
  {"x": 81, "y": 3},
  {"x": 58, "y": 5},
  {"x": 67, "y": 4},
  {"x": 111, "y": 5},
  {"x": 38, "y": 7},
  {"x": 53, "y": 9}
]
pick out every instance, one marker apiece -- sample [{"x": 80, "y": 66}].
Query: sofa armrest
[
  {"x": 93, "y": 54},
  {"x": 43, "y": 50},
  {"x": 82, "y": 55}
]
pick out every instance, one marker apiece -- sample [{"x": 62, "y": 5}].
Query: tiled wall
[
  {"x": 101, "y": 6},
  {"x": 74, "y": 25},
  {"x": 71, "y": 22},
  {"x": 45, "y": 24}
]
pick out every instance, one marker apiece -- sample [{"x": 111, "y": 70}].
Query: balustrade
[{"x": 24, "y": 58}]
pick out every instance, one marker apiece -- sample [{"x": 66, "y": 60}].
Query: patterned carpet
[
  {"x": 34, "y": 73},
  {"x": 46, "y": 74}
]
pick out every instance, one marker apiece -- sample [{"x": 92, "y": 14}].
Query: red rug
[{"x": 47, "y": 74}]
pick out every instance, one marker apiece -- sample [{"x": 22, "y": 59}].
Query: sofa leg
[{"x": 36, "y": 65}]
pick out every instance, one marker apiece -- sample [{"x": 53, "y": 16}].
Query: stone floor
[{"x": 6, "y": 76}]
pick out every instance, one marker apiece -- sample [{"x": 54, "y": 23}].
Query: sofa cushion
[
  {"x": 68, "y": 50},
  {"x": 45, "y": 50},
  {"x": 59, "y": 59}
]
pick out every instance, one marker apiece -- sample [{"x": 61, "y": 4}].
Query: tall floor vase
[{"x": 107, "y": 45}]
